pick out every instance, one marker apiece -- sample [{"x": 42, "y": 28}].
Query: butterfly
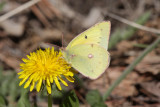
[{"x": 87, "y": 52}]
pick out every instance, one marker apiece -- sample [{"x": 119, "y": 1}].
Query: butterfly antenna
[{"x": 62, "y": 40}]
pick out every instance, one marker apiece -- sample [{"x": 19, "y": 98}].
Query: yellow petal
[
  {"x": 48, "y": 82},
  {"x": 28, "y": 83},
  {"x": 51, "y": 79},
  {"x": 38, "y": 87},
  {"x": 20, "y": 72},
  {"x": 57, "y": 83},
  {"x": 24, "y": 60},
  {"x": 69, "y": 74},
  {"x": 37, "y": 77},
  {"x": 70, "y": 78},
  {"x": 28, "y": 56},
  {"x": 23, "y": 80},
  {"x": 22, "y": 76},
  {"x": 48, "y": 89},
  {"x": 63, "y": 81}
]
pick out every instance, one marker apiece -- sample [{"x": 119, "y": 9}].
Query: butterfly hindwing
[{"x": 91, "y": 60}]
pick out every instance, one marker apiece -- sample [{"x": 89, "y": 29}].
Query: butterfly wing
[
  {"x": 91, "y": 60},
  {"x": 97, "y": 34}
]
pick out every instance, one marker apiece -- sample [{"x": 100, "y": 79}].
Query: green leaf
[
  {"x": 2, "y": 4},
  {"x": 56, "y": 93},
  {"x": 24, "y": 99},
  {"x": 100, "y": 104},
  {"x": 70, "y": 100},
  {"x": 79, "y": 82},
  {"x": 4, "y": 86},
  {"x": 6, "y": 83},
  {"x": 3, "y": 102},
  {"x": 1, "y": 75},
  {"x": 95, "y": 99},
  {"x": 14, "y": 93},
  {"x": 115, "y": 38},
  {"x": 21, "y": 103}
]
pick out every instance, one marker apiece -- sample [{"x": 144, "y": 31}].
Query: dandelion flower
[{"x": 45, "y": 67}]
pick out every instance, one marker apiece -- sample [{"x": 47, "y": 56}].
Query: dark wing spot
[
  {"x": 85, "y": 36},
  {"x": 92, "y": 45}
]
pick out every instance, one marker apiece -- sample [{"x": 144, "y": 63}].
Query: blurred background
[{"x": 48, "y": 20}]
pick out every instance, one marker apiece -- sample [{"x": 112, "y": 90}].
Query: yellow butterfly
[{"x": 87, "y": 52}]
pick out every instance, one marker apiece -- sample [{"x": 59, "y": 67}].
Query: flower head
[{"x": 44, "y": 67}]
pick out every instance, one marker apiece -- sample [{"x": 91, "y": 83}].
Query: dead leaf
[
  {"x": 151, "y": 63},
  {"x": 14, "y": 28},
  {"x": 152, "y": 87}
]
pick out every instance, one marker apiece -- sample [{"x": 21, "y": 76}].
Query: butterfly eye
[{"x": 85, "y": 36}]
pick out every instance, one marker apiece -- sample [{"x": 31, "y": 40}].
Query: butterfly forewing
[{"x": 97, "y": 34}]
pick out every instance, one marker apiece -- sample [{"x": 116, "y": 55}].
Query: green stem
[
  {"x": 140, "y": 45},
  {"x": 49, "y": 100},
  {"x": 130, "y": 68}
]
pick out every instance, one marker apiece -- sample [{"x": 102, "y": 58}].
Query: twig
[
  {"x": 130, "y": 68},
  {"x": 123, "y": 20},
  {"x": 40, "y": 15},
  {"x": 123, "y": 34},
  {"x": 46, "y": 11},
  {"x": 52, "y": 8},
  {"x": 17, "y": 10}
]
